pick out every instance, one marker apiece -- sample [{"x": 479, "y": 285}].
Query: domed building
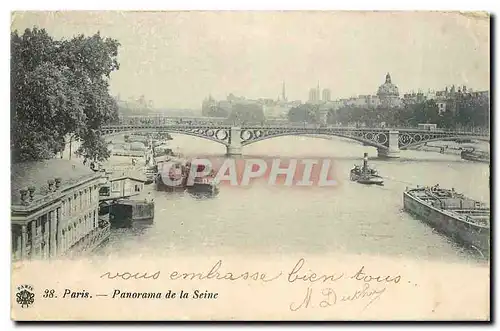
[{"x": 388, "y": 93}]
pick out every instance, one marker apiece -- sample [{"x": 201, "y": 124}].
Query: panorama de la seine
[{"x": 88, "y": 175}]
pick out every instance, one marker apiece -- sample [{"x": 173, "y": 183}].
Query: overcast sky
[{"x": 176, "y": 59}]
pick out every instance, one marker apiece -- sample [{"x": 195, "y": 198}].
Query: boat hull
[
  {"x": 203, "y": 189},
  {"x": 475, "y": 158},
  {"x": 161, "y": 186},
  {"x": 447, "y": 223},
  {"x": 367, "y": 180},
  {"x": 371, "y": 181},
  {"x": 124, "y": 213}
]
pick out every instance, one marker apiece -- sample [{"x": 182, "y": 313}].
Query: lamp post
[{"x": 70, "y": 140}]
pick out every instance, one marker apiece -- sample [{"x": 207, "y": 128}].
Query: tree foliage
[
  {"x": 60, "y": 88},
  {"x": 473, "y": 111},
  {"x": 304, "y": 113},
  {"x": 467, "y": 111},
  {"x": 246, "y": 113}
]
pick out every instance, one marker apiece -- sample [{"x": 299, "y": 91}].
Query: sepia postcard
[{"x": 250, "y": 166}]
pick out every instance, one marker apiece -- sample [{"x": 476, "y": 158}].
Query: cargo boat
[
  {"x": 365, "y": 175},
  {"x": 177, "y": 179},
  {"x": 465, "y": 220},
  {"x": 126, "y": 212},
  {"x": 204, "y": 186},
  {"x": 474, "y": 155},
  {"x": 150, "y": 173}
]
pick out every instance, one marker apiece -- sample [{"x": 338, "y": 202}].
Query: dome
[{"x": 388, "y": 88}]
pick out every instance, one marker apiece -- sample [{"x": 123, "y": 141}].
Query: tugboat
[
  {"x": 474, "y": 155},
  {"x": 365, "y": 175},
  {"x": 465, "y": 220}
]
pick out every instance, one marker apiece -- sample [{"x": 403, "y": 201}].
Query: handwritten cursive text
[
  {"x": 328, "y": 297},
  {"x": 310, "y": 276}
]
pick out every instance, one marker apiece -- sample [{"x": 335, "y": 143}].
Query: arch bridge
[{"x": 388, "y": 142}]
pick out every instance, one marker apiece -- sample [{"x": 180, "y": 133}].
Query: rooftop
[
  {"x": 132, "y": 174},
  {"x": 37, "y": 173}
]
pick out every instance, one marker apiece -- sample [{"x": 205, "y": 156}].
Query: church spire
[{"x": 283, "y": 92}]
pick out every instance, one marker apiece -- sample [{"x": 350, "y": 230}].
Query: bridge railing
[{"x": 209, "y": 121}]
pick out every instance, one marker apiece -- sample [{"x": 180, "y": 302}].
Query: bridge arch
[
  {"x": 360, "y": 139},
  {"x": 222, "y": 138},
  {"x": 453, "y": 138}
]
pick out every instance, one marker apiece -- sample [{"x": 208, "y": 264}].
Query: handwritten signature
[{"x": 328, "y": 297}]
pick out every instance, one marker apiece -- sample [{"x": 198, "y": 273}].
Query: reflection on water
[{"x": 350, "y": 218}]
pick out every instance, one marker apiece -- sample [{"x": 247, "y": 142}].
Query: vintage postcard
[{"x": 250, "y": 165}]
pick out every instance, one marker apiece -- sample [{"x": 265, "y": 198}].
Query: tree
[
  {"x": 473, "y": 110},
  {"x": 247, "y": 112},
  {"x": 304, "y": 113},
  {"x": 60, "y": 88},
  {"x": 426, "y": 112}
]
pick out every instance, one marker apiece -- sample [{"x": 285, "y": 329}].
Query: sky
[{"x": 176, "y": 59}]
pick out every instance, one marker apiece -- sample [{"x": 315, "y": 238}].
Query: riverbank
[
  {"x": 451, "y": 147},
  {"x": 443, "y": 147}
]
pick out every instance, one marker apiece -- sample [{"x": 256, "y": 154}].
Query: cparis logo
[{"x": 244, "y": 171}]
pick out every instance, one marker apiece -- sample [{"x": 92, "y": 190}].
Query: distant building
[
  {"x": 446, "y": 99},
  {"x": 388, "y": 93},
  {"x": 317, "y": 96},
  {"x": 283, "y": 93},
  {"x": 314, "y": 95},
  {"x": 326, "y": 95},
  {"x": 413, "y": 98},
  {"x": 54, "y": 208}
]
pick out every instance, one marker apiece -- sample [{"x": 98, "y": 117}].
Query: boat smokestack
[{"x": 365, "y": 160}]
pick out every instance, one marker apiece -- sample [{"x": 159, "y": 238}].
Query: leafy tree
[
  {"x": 473, "y": 111},
  {"x": 247, "y": 112},
  {"x": 304, "y": 113},
  {"x": 426, "y": 112},
  {"x": 331, "y": 116},
  {"x": 59, "y": 88}
]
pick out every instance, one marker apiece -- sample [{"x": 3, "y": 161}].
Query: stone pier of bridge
[
  {"x": 234, "y": 147},
  {"x": 393, "y": 150}
]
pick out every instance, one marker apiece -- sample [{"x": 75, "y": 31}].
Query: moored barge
[
  {"x": 475, "y": 155},
  {"x": 176, "y": 178},
  {"x": 465, "y": 220}
]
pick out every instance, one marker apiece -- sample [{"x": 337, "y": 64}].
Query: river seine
[{"x": 262, "y": 219}]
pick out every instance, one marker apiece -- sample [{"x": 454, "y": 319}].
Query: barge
[
  {"x": 475, "y": 155},
  {"x": 465, "y": 220},
  {"x": 176, "y": 179},
  {"x": 127, "y": 212}
]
